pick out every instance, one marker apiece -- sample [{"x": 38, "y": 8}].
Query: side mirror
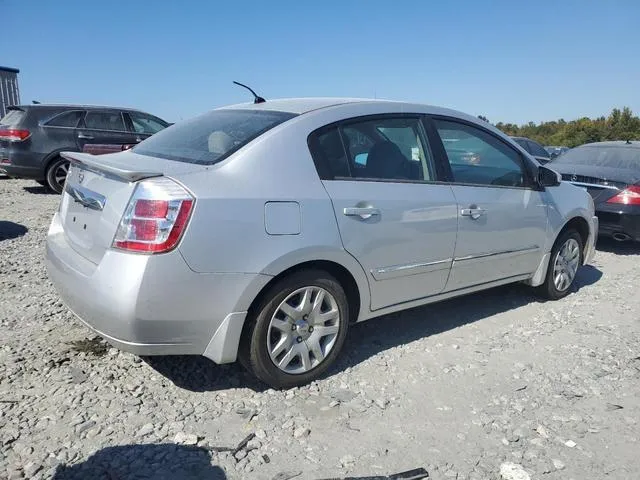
[{"x": 548, "y": 177}]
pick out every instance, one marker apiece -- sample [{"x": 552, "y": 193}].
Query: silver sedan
[{"x": 261, "y": 232}]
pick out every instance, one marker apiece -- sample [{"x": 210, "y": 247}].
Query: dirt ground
[{"x": 493, "y": 385}]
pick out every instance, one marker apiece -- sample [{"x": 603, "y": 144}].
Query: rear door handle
[
  {"x": 362, "y": 212},
  {"x": 473, "y": 211},
  {"x": 84, "y": 136}
]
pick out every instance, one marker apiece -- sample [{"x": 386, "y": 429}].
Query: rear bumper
[
  {"x": 152, "y": 304},
  {"x": 624, "y": 219},
  {"x": 23, "y": 164}
]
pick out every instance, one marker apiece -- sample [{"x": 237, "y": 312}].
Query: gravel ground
[{"x": 494, "y": 385}]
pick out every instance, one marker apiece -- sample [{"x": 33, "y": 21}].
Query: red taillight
[
  {"x": 151, "y": 208},
  {"x": 151, "y": 224},
  {"x": 628, "y": 196},
  {"x": 14, "y": 135},
  {"x": 5, "y": 161}
]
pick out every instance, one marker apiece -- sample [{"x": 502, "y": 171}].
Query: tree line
[{"x": 619, "y": 125}]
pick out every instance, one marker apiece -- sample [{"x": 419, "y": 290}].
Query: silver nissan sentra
[{"x": 261, "y": 231}]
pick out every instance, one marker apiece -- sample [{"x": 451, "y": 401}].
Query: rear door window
[
  {"x": 66, "y": 119},
  {"x": 211, "y": 137},
  {"x": 145, "y": 124},
  {"x": 12, "y": 118},
  {"x": 105, "y": 121}
]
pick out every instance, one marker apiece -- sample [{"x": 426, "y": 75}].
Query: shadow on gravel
[
  {"x": 372, "y": 337},
  {"x": 199, "y": 374},
  {"x": 619, "y": 248},
  {"x": 11, "y": 230},
  {"x": 39, "y": 190},
  {"x": 162, "y": 462}
]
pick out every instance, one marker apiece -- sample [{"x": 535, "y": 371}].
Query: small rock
[
  {"x": 558, "y": 465},
  {"x": 31, "y": 468},
  {"x": 240, "y": 455},
  {"x": 146, "y": 429},
  {"x": 334, "y": 403},
  {"x": 261, "y": 434},
  {"x": 301, "y": 432},
  {"x": 185, "y": 438},
  {"x": 570, "y": 443},
  {"x": 85, "y": 426},
  {"x": 347, "y": 460},
  {"x": 381, "y": 403},
  {"x": 513, "y": 471},
  {"x": 542, "y": 431}
]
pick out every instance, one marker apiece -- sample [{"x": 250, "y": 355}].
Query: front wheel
[
  {"x": 566, "y": 259},
  {"x": 297, "y": 330},
  {"x": 57, "y": 174}
]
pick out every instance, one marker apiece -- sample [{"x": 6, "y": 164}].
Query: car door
[
  {"x": 392, "y": 215},
  {"x": 502, "y": 215},
  {"x": 105, "y": 127}
]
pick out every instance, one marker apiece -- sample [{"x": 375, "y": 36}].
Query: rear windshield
[
  {"x": 12, "y": 118},
  {"x": 211, "y": 137},
  {"x": 613, "y": 157}
]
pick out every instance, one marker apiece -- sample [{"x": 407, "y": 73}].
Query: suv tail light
[
  {"x": 14, "y": 135},
  {"x": 155, "y": 218},
  {"x": 628, "y": 196}
]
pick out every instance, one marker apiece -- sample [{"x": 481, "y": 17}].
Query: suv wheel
[
  {"x": 297, "y": 330},
  {"x": 566, "y": 258},
  {"x": 57, "y": 174}
]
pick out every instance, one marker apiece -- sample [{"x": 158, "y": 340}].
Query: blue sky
[{"x": 511, "y": 60}]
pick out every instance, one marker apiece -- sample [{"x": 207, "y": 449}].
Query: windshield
[
  {"x": 612, "y": 157},
  {"x": 211, "y": 137},
  {"x": 12, "y": 118}
]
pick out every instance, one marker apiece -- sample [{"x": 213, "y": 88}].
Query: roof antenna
[{"x": 257, "y": 98}]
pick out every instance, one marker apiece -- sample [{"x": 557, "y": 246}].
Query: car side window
[
  {"x": 105, "y": 121},
  {"x": 477, "y": 157},
  {"x": 66, "y": 119},
  {"x": 387, "y": 149},
  {"x": 145, "y": 124},
  {"x": 537, "y": 150}
]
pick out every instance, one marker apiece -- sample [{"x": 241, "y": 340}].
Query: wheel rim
[
  {"x": 303, "y": 330},
  {"x": 566, "y": 264},
  {"x": 60, "y": 174}
]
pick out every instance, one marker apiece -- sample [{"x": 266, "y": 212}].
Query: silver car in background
[{"x": 260, "y": 232}]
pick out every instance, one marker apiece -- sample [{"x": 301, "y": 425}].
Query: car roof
[
  {"x": 301, "y": 106},
  {"x": 72, "y": 106},
  {"x": 614, "y": 143}
]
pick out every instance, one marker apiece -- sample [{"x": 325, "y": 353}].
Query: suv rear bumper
[
  {"x": 19, "y": 171},
  {"x": 152, "y": 304}
]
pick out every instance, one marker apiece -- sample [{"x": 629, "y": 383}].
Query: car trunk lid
[
  {"x": 601, "y": 182},
  {"x": 97, "y": 192}
]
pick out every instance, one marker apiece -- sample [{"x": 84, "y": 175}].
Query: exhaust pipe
[{"x": 621, "y": 237}]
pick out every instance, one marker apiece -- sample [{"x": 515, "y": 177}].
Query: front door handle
[
  {"x": 83, "y": 136},
  {"x": 362, "y": 212},
  {"x": 473, "y": 211}
]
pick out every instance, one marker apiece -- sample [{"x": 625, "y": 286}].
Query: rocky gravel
[{"x": 496, "y": 385}]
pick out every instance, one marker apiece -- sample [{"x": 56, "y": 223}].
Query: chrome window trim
[{"x": 592, "y": 185}]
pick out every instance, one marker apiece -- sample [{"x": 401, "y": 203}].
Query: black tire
[
  {"x": 254, "y": 354},
  {"x": 53, "y": 178},
  {"x": 548, "y": 289}
]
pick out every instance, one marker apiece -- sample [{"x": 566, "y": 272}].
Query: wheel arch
[{"x": 581, "y": 225}]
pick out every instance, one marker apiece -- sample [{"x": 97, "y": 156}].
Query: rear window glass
[
  {"x": 12, "y": 118},
  {"x": 211, "y": 137},
  {"x": 613, "y": 157}
]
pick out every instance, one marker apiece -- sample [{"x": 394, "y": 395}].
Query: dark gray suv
[{"x": 32, "y": 136}]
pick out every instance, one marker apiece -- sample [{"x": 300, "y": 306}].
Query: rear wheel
[
  {"x": 566, "y": 259},
  {"x": 57, "y": 174},
  {"x": 297, "y": 330}
]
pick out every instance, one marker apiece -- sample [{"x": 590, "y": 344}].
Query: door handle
[
  {"x": 473, "y": 211},
  {"x": 362, "y": 212},
  {"x": 83, "y": 136}
]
